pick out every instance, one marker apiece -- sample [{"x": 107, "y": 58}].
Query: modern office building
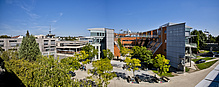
[
  {"x": 69, "y": 48},
  {"x": 47, "y": 44},
  {"x": 171, "y": 40},
  {"x": 103, "y": 36}
]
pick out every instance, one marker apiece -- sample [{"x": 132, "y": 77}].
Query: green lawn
[
  {"x": 187, "y": 69},
  {"x": 206, "y": 58},
  {"x": 199, "y": 56},
  {"x": 205, "y": 51},
  {"x": 166, "y": 74},
  {"x": 205, "y": 65}
]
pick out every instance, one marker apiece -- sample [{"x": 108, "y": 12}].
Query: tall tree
[
  {"x": 90, "y": 50},
  {"x": 120, "y": 44},
  {"x": 29, "y": 49},
  {"x": 108, "y": 54},
  {"x": 217, "y": 39},
  {"x": 160, "y": 62},
  {"x": 196, "y": 38},
  {"x": 124, "y": 51},
  {"x": 100, "y": 73},
  {"x": 143, "y": 54},
  {"x": 132, "y": 64}
]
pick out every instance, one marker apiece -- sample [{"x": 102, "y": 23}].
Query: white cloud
[
  {"x": 60, "y": 14},
  {"x": 54, "y": 21}
]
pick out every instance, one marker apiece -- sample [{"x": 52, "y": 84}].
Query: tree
[
  {"x": 211, "y": 39},
  {"x": 29, "y": 49},
  {"x": 120, "y": 44},
  {"x": 90, "y": 50},
  {"x": 143, "y": 54},
  {"x": 196, "y": 39},
  {"x": 45, "y": 71},
  {"x": 217, "y": 39},
  {"x": 132, "y": 64},
  {"x": 108, "y": 54},
  {"x": 136, "y": 51},
  {"x": 5, "y": 36},
  {"x": 125, "y": 51},
  {"x": 202, "y": 39},
  {"x": 104, "y": 74},
  {"x": 160, "y": 62}
]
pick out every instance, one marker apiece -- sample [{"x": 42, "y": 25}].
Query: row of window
[
  {"x": 9, "y": 40},
  {"x": 97, "y": 34}
]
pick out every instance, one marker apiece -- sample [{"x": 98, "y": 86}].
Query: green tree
[
  {"x": 29, "y": 49},
  {"x": 136, "y": 51},
  {"x": 120, "y": 44},
  {"x": 217, "y": 39},
  {"x": 44, "y": 72},
  {"x": 196, "y": 39},
  {"x": 90, "y": 50},
  {"x": 202, "y": 39},
  {"x": 161, "y": 63},
  {"x": 143, "y": 54},
  {"x": 125, "y": 51},
  {"x": 108, "y": 54},
  {"x": 212, "y": 39},
  {"x": 104, "y": 74},
  {"x": 132, "y": 64},
  {"x": 5, "y": 36}
]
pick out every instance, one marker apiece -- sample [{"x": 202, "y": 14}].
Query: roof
[{"x": 99, "y": 29}]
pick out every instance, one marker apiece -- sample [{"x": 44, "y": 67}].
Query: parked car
[
  {"x": 200, "y": 61},
  {"x": 72, "y": 73}
]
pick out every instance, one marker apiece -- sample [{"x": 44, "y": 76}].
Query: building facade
[
  {"x": 103, "y": 36},
  {"x": 171, "y": 40}
]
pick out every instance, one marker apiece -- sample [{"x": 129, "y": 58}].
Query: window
[
  {"x": 93, "y": 34},
  {"x": 1, "y": 40},
  {"x": 98, "y": 34},
  {"x": 12, "y": 40},
  {"x": 1, "y": 45},
  {"x": 13, "y": 44},
  {"x": 53, "y": 42},
  {"x": 166, "y": 31}
]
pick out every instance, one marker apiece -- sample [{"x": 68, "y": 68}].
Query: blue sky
[{"x": 74, "y": 17}]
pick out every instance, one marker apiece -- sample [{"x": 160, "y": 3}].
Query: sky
[{"x": 74, "y": 17}]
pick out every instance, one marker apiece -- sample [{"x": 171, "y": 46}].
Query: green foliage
[
  {"x": 125, "y": 51},
  {"x": 44, "y": 72},
  {"x": 108, "y": 54},
  {"x": 104, "y": 74},
  {"x": 29, "y": 49},
  {"x": 160, "y": 62},
  {"x": 120, "y": 44},
  {"x": 142, "y": 53},
  {"x": 5, "y": 36},
  {"x": 132, "y": 64},
  {"x": 136, "y": 51},
  {"x": 217, "y": 39},
  {"x": 90, "y": 50},
  {"x": 205, "y": 65}
]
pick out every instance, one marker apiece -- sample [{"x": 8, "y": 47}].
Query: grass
[
  {"x": 166, "y": 74},
  {"x": 206, "y": 58},
  {"x": 199, "y": 56},
  {"x": 205, "y": 51},
  {"x": 187, "y": 69},
  {"x": 205, "y": 65}
]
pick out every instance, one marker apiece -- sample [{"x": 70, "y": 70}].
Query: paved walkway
[{"x": 183, "y": 80}]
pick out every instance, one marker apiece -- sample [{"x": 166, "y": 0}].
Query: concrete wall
[
  {"x": 175, "y": 44},
  {"x": 110, "y": 39}
]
